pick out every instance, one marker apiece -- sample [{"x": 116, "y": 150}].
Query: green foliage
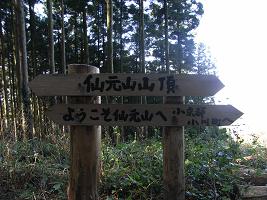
[
  {"x": 211, "y": 163},
  {"x": 132, "y": 170},
  {"x": 33, "y": 170},
  {"x": 254, "y": 155}
]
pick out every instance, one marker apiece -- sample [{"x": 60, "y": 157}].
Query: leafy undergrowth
[
  {"x": 254, "y": 155},
  {"x": 133, "y": 170},
  {"x": 33, "y": 170},
  {"x": 211, "y": 164}
]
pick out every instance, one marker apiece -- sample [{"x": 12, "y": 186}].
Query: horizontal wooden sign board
[
  {"x": 126, "y": 85},
  {"x": 143, "y": 115}
]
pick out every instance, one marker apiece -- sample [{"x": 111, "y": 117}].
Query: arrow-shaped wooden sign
[
  {"x": 126, "y": 85},
  {"x": 140, "y": 115}
]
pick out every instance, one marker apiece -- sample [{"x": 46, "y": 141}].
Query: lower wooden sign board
[{"x": 143, "y": 115}]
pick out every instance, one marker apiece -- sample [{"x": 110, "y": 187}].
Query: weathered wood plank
[
  {"x": 140, "y": 115},
  {"x": 251, "y": 175},
  {"x": 254, "y": 192},
  {"x": 85, "y": 148},
  {"x": 126, "y": 85},
  {"x": 173, "y": 158}
]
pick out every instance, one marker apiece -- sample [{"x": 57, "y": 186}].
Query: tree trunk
[
  {"x": 24, "y": 72},
  {"x": 3, "y": 105},
  {"x": 104, "y": 67},
  {"x": 166, "y": 39},
  {"x": 51, "y": 36},
  {"x": 121, "y": 42},
  {"x": 144, "y": 130},
  {"x": 63, "y": 52},
  {"x": 110, "y": 36},
  {"x": 41, "y": 119},
  {"x": 33, "y": 36},
  {"x": 33, "y": 61},
  {"x": 12, "y": 79},
  {"x": 98, "y": 34},
  {"x": 121, "y": 60},
  {"x": 2, "y": 125},
  {"x": 11, "y": 92},
  {"x": 76, "y": 38},
  {"x": 142, "y": 40},
  {"x": 85, "y": 37},
  {"x": 51, "y": 51},
  {"x": 110, "y": 54},
  {"x": 4, "y": 80},
  {"x": 17, "y": 64},
  {"x": 14, "y": 93}
]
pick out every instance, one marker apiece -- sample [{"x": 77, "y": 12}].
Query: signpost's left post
[{"x": 85, "y": 144}]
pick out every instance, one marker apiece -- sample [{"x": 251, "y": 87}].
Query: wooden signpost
[
  {"x": 84, "y": 114},
  {"x": 126, "y": 85},
  {"x": 143, "y": 115}
]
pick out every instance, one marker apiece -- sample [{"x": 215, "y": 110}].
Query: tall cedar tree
[{"x": 25, "y": 91}]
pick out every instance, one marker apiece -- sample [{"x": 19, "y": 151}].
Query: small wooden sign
[
  {"x": 143, "y": 115},
  {"x": 126, "y": 85}
]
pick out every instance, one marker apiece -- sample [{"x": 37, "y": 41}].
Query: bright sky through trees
[{"x": 236, "y": 32}]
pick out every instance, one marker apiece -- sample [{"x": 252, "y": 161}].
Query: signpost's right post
[{"x": 173, "y": 158}]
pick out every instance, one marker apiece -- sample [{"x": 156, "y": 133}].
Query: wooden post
[
  {"x": 173, "y": 158},
  {"x": 85, "y": 144}
]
